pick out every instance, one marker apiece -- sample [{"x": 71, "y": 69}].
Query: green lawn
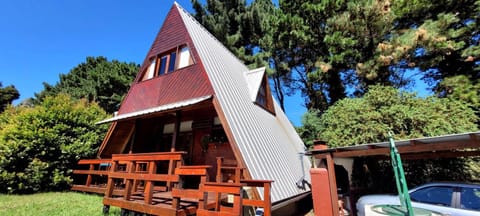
[{"x": 53, "y": 203}]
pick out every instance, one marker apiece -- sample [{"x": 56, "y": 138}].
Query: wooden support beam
[
  {"x": 445, "y": 146},
  {"x": 436, "y": 155},
  {"x": 333, "y": 184},
  {"x": 159, "y": 156},
  {"x": 176, "y": 131}
]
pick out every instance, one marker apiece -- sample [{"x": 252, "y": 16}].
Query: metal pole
[{"x": 400, "y": 177}]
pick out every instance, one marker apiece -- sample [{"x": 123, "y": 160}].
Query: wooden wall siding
[
  {"x": 180, "y": 85},
  {"x": 118, "y": 140},
  {"x": 186, "y": 83}
]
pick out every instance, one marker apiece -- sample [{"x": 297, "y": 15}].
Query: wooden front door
[{"x": 198, "y": 151}]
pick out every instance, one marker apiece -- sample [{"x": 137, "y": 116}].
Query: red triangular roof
[{"x": 172, "y": 87}]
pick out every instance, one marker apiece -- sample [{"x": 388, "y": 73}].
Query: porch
[{"x": 160, "y": 183}]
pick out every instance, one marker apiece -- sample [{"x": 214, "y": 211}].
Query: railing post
[
  {"x": 110, "y": 184},
  {"x": 128, "y": 184},
  {"x": 267, "y": 208},
  {"x": 89, "y": 176},
  {"x": 152, "y": 169},
  {"x": 219, "y": 177}
]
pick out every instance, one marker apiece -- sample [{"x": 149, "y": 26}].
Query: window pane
[
  {"x": 470, "y": 198},
  {"x": 262, "y": 95},
  {"x": 171, "y": 64},
  {"x": 434, "y": 195},
  {"x": 184, "y": 59},
  {"x": 163, "y": 65},
  {"x": 150, "y": 71}
]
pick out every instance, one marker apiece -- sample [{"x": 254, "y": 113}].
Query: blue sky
[{"x": 41, "y": 39}]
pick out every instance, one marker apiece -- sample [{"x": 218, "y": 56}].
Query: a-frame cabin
[{"x": 191, "y": 103}]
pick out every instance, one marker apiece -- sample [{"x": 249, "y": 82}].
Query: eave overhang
[{"x": 158, "y": 109}]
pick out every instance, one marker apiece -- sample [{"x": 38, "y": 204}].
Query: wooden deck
[{"x": 160, "y": 184}]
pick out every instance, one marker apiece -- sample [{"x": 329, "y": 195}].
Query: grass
[{"x": 54, "y": 203}]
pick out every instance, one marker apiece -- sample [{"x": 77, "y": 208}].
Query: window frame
[
  {"x": 268, "y": 106},
  {"x": 169, "y": 66}
]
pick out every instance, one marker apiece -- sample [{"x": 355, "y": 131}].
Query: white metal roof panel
[
  {"x": 161, "y": 108},
  {"x": 461, "y": 137},
  {"x": 268, "y": 143}
]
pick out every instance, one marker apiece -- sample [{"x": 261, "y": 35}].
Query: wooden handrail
[
  {"x": 218, "y": 188},
  {"x": 160, "y": 156},
  {"x": 179, "y": 192},
  {"x": 93, "y": 161},
  {"x": 266, "y": 203},
  {"x": 94, "y": 166},
  {"x": 143, "y": 167},
  {"x": 222, "y": 166}
]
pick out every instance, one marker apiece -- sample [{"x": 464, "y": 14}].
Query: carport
[{"x": 447, "y": 146}]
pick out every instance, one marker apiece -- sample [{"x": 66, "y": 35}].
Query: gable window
[
  {"x": 262, "y": 95},
  {"x": 264, "y": 98},
  {"x": 168, "y": 62},
  {"x": 150, "y": 70}
]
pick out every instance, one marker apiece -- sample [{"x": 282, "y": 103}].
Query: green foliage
[
  {"x": 97, "y": 80},
  {"x": 353, "y": 121},
  {"x": 327, "y": 48},
  {"x": 463, "y": 89},
  {"x": 368, "y": 119},
  {"x": 40, "y": 145},
  {"x": 236, "y": 24},
  {"x": 7, "y": 95}
]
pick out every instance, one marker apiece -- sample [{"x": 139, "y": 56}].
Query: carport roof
[{"x": 446, "y": 146}]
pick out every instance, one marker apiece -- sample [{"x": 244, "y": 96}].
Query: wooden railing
[
  {"x": 219, "y": 188},
  {"x": 228, "y": 170},
  {"x": 134, "y": 173},
  {"x": 179, "y": 193},
  {"x": 266, "y": 203},
  {"x": 234, "y": 186},
  {"x": 238, "y": 200},
  {"x": 145, "y": 177},
  {"x": 97, "y": 174}
]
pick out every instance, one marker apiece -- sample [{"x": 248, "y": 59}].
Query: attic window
[
  {"x": 264, "y": 98},
  {"x": 168, "y": 62}
]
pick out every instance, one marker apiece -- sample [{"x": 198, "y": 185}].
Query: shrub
[{"x": 40, "y": 145}]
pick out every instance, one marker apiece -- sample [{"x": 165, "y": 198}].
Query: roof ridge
[{"x": 208, "y": 32}]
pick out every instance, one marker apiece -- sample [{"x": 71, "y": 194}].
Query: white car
[{"x": 453, "y": 199}]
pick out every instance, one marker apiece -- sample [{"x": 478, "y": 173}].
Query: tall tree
[
  {"x": 98, "y": 80},
  {"x": 236, "y": 24},
  {"x": 7, "y": 95},
  {"x": 440, "y": 38},
  {"x": 331, "y": 48},
  {"x": 461, "y": 88}
]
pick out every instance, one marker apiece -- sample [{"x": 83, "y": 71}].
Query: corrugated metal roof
[
  {"x": 157, "y": 109},
  {"x": 268, "y": 143},
  {"x": 450, "y": 138},
  {"x": 425, "y": 140}
]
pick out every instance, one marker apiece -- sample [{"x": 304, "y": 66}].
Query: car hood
[{"x": 379, "y": 199}]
